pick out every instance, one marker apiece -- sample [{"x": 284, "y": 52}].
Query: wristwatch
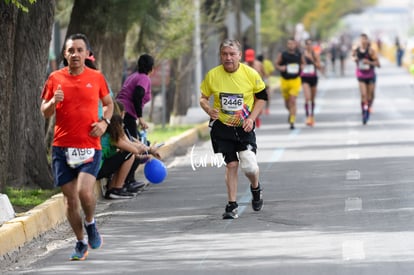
[{"x": 107, "y": 120}]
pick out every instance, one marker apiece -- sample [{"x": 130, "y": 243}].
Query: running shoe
[
  {"x": 309, "y": 121},
  {"x": 94, "y": 238},
  {"x": 292, "y": 126},
  {"x": 312, "y": 120},
  {"x": 134, "y": 186},
  {"x": 231, "y": 211},
  {"x": 118, "y": 193},
  {"x": 80, "y": 252},
  {"x": 365, "y": 117},
  {"x": 257, "y": 198}
]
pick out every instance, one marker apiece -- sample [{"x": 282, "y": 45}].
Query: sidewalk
[{"x": 19, "y": 231}]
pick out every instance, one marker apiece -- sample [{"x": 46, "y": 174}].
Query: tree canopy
[
  {"x": 319, "y": 17},
  {"x": 19, "y": 4}
]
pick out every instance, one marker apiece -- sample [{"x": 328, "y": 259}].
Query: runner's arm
[
  {"x": 375, "y": 61},
  {"x": 354, "y": 56},
  {"x": 318, "y": 62},
  {"x": 259, "y": 103},
  {"x": 302, "y": 62},
  {"x": 281, "y": 68},
  {"x": 108, "y": 106},
  {"x": 205, "y": 105}
]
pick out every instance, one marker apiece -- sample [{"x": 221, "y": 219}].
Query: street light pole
[
  {"x": 197, "y": 50},
  {"x": 257, "y": 8}
]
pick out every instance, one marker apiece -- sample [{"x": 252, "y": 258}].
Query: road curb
[{"x": 19, "y": 231}]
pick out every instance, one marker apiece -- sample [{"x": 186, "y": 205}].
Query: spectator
[
  {"x": 399, "y": 52},
  {"x": 118, "y": 156},
  {"x": 135, "y": 93}
]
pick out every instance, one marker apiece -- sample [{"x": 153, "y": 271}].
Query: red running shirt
[{"x": 79, "y": 108}]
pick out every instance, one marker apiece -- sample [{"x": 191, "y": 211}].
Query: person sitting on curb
[{"x": 118, "y": 156}]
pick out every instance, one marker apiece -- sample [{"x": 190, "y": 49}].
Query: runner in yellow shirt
[
  {"x": 268, "y": 70},
  {"x": 239, "y": 95}
]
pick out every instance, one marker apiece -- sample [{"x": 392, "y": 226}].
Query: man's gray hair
[{"x": 230, "y": 43}]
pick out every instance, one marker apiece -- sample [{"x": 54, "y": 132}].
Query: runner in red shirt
[{"x": 73, "y": 94}]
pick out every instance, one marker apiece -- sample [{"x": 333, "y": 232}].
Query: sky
[
  {"x": 395, "y": 3},
  {"x": 387, "y": 20}
]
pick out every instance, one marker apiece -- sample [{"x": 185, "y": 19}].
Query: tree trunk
[
  {"x": 8, "y": 22},
  {"x": 112, "y": 47},
  {"x": 183, "y": 90},
  {"x": 27, "y": 162},
  {"x": 172, "y": 88}
]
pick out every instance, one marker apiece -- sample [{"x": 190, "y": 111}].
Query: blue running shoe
[
  {"x": 94, "y": 239},
  {"x": 80, "y": 252}
]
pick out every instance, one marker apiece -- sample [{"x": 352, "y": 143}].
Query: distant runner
[
  {"x": 310, "y": 80},
  {"x": 290, "y": 63},
  {"x": 366, "y": 60}
]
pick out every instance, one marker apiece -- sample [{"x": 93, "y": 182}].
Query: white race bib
[
  {"x": 231, "y": 103},
  {"x": 309, "y": 69},
  {"x": 292, "y": 68},
  {"x": 78, "y": 156},
  {"x": 362, "y": 66}
]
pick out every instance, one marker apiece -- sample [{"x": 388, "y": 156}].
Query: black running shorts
[
  {"x": 229, "y": 140},
  {"x": 367, "y": 80},
  {"x": 312, "y": 80}
]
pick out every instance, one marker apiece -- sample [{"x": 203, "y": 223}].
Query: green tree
[
  {"x": 282, "y": 15},
  {"x": 162, "y": 28},
  {"x": 320, "y": 17},
  {"x": 324, "y": 15},
  {"x": 106, "y": 23},
  {"x": 19, "y": 5}
]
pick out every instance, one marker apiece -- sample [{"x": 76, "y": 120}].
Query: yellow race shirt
[
  {"x": 233, "y": 92},
  {"x": 268, "y": 67}
]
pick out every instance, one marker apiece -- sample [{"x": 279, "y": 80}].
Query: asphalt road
[{"x": 338, "y": 199}]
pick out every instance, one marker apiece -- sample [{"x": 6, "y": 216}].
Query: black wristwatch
[{"x": 107, "y": 120}]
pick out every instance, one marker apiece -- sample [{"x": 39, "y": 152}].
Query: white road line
[
  {"x": 353, "y": 204},
  {"x": 352, "y": 156},
  {"x": 353, "y": 175},
  {"x": 353, "y": 250},
  {"x": 352, "y": 142}
]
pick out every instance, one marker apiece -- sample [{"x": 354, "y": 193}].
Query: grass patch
[
  {"x": 159, "y": 134},
  {"x": 25, "y": 199}
]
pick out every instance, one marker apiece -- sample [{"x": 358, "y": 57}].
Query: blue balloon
[{"x": 155, "y": 171}]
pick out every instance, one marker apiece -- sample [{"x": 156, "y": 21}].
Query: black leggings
[
  {"x": 112, "y": 164},
  {"x": 130, "y": 126}
]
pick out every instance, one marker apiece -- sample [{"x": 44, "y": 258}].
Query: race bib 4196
[{"x": 78, "y": 156}]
